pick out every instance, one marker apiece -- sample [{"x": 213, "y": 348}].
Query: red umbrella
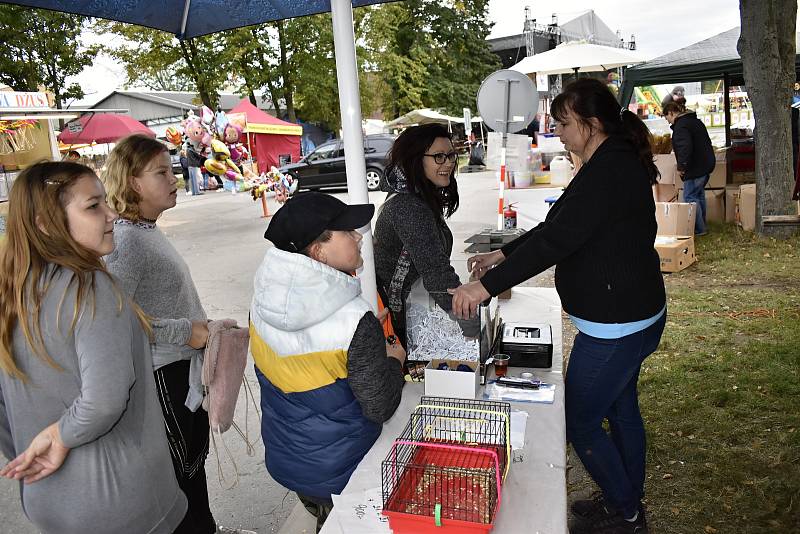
[{"x": 101, "y": 128}]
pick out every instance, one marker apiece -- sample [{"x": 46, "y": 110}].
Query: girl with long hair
[
  {"x": 412, "y": 239},
  {"x": 78, "y": 407},
  {"x": 141, "y": 186}
]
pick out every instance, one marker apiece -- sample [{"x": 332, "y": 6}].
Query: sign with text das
[{"x": 15, "y": 99}]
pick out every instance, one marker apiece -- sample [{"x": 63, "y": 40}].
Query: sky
[{"x": 659, "y": 27}]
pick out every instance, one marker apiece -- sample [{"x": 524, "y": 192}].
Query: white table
[
  {"x": 535, "y": 493},
  {"x": 530, "y": 205}
]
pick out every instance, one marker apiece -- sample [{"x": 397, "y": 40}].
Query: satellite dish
[{"x": 507, "y": 101}]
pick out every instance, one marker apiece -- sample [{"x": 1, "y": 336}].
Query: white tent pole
[{"x": 350, "y": 108}]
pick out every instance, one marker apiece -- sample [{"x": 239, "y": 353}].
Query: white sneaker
[
  {"x": 226, "y": 530},
  {"x": 188, "y": 193}
]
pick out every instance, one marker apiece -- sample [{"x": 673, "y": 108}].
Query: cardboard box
[
  {"x": 731, "y": 200},
  {"x": 675, "y": 218},
  {"x": 715, "y": 205},
  {"x": 719, "y": 176},
  {"x": 665, "y": 192},
  {"x": 746, "y": 209},
  {"x": 452, "y": 383},
  {"x": 675, "y": 252},
  {"x": 668, "y": 166},
  {"x": 743, "y": 177}
]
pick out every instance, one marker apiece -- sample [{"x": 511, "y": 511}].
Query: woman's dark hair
[
  {"x": 407, "y": 155},
  {"x": 587, "y": 98},
  {"x": 672, "y": 107}
]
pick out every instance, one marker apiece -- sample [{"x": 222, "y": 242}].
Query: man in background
[{"x": 695, "y": 156}]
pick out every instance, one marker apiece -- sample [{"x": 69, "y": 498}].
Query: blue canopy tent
[{"x": 192, "y": 18}]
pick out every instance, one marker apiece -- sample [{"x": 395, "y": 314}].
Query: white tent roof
[
  {"x": 422, "y": 116},
  {"x": 585, "y": 57}
]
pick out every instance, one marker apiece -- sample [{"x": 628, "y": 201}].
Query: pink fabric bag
[{"x": 224, "y": 362}]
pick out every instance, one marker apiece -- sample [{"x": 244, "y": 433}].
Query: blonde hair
[
  {"x": 129, "y": 158},
  {"x": 37, "y": 237}
]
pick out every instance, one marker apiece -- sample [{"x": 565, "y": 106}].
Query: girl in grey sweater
[
  {"x": 141, "y": 186},
  {"x": 79, "y": 417}
]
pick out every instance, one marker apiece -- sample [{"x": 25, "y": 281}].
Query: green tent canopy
[{"x": 714, "y": 58}]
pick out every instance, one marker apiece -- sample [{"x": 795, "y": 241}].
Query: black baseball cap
[{"x": 305, "y": 216}]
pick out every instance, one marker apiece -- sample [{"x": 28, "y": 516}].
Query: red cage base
[
  {"x": 419, "y": 491},
  {"x": 401, "y": 523}
]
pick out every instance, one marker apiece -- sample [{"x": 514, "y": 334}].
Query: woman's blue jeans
[
  {"x": 694, "y": 190},
  {"x": 195, "y": 176},
  {"x": 601, "y": 384}
]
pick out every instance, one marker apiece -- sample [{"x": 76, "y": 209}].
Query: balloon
[
  {"x": 173, "y": 136},
  {"x": 208, "y": 115}
]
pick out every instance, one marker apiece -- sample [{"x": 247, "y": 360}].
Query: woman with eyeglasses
[{"x": 412, "y": 240}]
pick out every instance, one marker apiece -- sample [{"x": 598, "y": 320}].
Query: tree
[
  {"x": 159, "y": 60},
  {"x": 767, "y": 48},
  {"x": 430, "y": 53},
  {"x": 42, "y": 48}
]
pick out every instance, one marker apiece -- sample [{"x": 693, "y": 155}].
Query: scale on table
[{"x": 528, "y": 344}]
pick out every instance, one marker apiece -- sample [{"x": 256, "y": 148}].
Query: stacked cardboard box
[{"x": 675, "y": 239}]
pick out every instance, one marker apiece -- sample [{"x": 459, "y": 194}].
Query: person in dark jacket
[
  {"x": 695, "y": 155},
  {"x": 599, "y": 235},
  {"x": 328, "y": 376}
]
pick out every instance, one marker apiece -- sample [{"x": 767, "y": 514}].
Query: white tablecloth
[
  {"x": 530, "y": 205},
  {"x": 534, "y": 498}
]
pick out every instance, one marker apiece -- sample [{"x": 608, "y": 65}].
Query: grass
[{"x": 721, "y": 396}]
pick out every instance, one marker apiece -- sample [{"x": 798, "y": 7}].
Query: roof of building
[{"x": 184, "y": 100}]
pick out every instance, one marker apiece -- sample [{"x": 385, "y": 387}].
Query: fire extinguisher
[{"x": 510, "y": 217}]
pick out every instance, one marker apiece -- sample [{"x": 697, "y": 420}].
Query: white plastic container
[
  {"x": 522, "y": 179},
  {"x": 560, "y": 171}
]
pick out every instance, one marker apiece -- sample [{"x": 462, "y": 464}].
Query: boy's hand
[{"x": 382, "y": 315}]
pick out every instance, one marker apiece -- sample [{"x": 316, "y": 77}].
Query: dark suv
[{"x": 324, "y": 166}]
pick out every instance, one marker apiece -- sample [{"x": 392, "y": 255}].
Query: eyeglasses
[{"x": 441, "y": 157}]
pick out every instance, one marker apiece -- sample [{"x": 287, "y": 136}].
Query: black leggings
[{"x": 187, "y": 435}]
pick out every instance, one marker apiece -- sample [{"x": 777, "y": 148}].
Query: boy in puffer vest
[{"x": 328, "y": 377}]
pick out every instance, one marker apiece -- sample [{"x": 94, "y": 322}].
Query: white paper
[
  {"x": 519, "y": 420},
  {"x": 360, "y": 513},
  {"x": 546, "y": 394}
]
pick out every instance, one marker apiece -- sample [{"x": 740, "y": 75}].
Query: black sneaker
[
  {"x": 616, "y": 524},
  {"x": 594, "y": 508}
]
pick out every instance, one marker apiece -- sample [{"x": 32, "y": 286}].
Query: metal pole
[
  {"x": 726, "y": 98},
  {"x": 350, "y": 108}
]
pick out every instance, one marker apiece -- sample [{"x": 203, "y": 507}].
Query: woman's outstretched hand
[
  {"x": 480, "y": 263},
  {"x": 467, "y": 298},
  {"x": 43, "y": 457}
]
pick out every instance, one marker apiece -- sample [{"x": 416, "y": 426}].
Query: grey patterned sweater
[
  {"x": 412, "y": 242},
  {"x": 156, "y": 277}
]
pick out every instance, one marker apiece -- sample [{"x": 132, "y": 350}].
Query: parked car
[
  {"x": 324, "y": 166},
  {"x": 175, "y": 158}
]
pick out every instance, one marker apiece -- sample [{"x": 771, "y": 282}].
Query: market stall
[
  {"x": 534, "y": 497},
  {"x": 26, "y": 134},
  {"x": 715, "y": 58},
  {"x": 272, "y": 142}
]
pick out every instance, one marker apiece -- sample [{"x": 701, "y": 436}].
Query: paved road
[{"x": 221, "y": 237}]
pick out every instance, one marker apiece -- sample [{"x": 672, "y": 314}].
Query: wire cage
[{"x": 445, "y": 471}]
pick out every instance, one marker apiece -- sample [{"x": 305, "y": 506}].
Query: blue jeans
[
  {"x": 601, "y": 383},
  {"x": 195, "y": 176},
  {"x": 694, "y": 191}
]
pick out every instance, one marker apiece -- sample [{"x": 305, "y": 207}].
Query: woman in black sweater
[{"x": 600, "y": 237}]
